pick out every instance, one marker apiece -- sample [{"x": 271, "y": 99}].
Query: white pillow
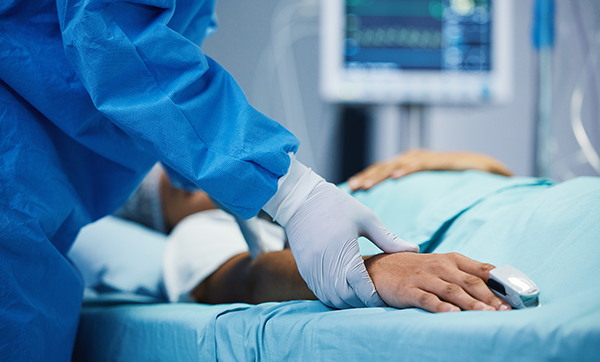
[{"x": 115, "y": 255}]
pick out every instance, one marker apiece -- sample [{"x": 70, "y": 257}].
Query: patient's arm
[
  {"x": 434, "y": 282},
  {"x": 271, "y": 277},
  {"x": 424, "y": 160}
]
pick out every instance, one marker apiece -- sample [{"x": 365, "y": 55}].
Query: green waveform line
[
  {"x": 410, "y": 8},
  {"x": 397, "y": 37}
]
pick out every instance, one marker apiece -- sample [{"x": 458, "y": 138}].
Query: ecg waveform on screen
[
  {"x": 397, "y": 38},
  {"x": 408, "y": 8}
]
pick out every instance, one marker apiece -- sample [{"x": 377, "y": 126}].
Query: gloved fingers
[
  {"x": 346, "y": 299},
  {"x": 386, "y": 240},
  {"x": 336, "y": 300},
  {"x": 334, "y": 292},
  {"x": 362, "y": 286},
  {"x": 346, "y": 269}
]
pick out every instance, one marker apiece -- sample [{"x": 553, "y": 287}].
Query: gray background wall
[{"x": 253, "y": 43}]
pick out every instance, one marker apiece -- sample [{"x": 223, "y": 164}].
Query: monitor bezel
[{"x": 341, "y": 85}]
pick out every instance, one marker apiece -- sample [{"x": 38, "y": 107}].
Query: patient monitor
[
  {"x": 510, "y": 284},
  {"x": 416, "y": 51}
]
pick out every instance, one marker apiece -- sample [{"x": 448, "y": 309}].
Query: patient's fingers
[
  {"x": 371, "y": 176},
  {"x": 430, "y": 302},
  {"x": 406, "y": 163},
  {"x": 463, "y": 288},
  {"x": 468, "y": 265},
  {"x": 395, "y": 167},
  {"x": 455, "y": 294},
  {"x": 409, "y": 167},
  {"x": 476, "y": 287}
]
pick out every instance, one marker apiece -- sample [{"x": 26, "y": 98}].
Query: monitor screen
[{"x": 424, "y": 51}]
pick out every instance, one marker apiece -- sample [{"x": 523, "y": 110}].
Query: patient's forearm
[
  {"x": 274, "y": 277},
  {"x": 271, "y": 277},
  {"x": 434, "y": 282},
  {"x": 228, "y": 284}
]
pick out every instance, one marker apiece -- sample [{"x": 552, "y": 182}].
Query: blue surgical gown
[{"x": 92, "y": 94}]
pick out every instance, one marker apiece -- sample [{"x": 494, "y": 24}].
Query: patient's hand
[
  {"x": 434, "y": 282},
  {"x": 424, "y": 160}
]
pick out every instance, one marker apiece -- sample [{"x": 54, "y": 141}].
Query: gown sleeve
[{"x": 157, "y": 86}]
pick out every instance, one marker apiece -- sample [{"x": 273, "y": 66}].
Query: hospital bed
[{"x": 549, "y": 231}]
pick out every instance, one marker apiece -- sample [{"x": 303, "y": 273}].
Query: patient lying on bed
[
  {"x": 206, "y": 259},
  {"x": 548, "y": 230}
]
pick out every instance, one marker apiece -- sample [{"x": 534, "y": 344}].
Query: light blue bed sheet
[{"x": 550, "y": 232}]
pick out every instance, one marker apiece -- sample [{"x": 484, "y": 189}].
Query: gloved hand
[
  {"x": 323, "y": 224},
  {"x": 323, "y": 237}
]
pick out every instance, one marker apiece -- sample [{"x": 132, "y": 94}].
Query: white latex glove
[{"x": 323, "y": 224}]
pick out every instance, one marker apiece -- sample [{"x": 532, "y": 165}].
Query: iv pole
[
  {"x": 396, "y": 128},
  {"x": 543, "y": 40}
]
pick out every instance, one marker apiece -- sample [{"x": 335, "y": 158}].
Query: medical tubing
[
  {"x": 262, "y": 94},
  {"x": 281, "y": 39},
  {"x": 584, "y": 142},
  {"x": 577, "y": 96},
  {"x": 266, "y": 68},
  {"x": 267, "y": 55}
]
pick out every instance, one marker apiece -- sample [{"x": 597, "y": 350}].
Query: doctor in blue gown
[{"x": 92, "y": 94}]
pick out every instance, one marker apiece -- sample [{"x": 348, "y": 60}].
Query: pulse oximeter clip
[{"x": 510, "y": 284}]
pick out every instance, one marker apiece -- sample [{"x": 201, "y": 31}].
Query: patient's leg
[{"x": 272, "y": 276}]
